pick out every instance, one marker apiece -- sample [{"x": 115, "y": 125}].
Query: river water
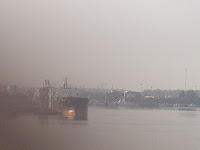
[{"x": 105, "y": 129}]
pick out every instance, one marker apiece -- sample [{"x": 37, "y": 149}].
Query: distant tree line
[{"x": 147, "y": 97}]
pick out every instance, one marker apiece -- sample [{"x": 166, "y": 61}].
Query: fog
[{"x": 127, "y": 43}]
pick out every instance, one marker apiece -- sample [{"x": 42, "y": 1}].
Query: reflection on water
[
  {"x": 46, "y": 120},
  {"x": 188, "y": 108},
  {"x": 188, "y": 112},
  {"x": 189, "y": 115},
  {"x": 67, "y": 114}
]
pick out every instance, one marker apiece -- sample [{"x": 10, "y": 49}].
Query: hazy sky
[{"x": 124, "y": 42}]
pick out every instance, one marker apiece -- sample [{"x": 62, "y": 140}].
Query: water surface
[{"x": 106, "y": 129}]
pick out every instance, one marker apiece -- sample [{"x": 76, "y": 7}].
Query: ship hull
[
  {"x": 71, "y": 107},
  {"x": 75, "y": 108}
]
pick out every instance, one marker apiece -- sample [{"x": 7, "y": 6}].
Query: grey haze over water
[{"x": 121, "y": 42}]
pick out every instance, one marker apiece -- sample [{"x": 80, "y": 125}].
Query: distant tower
[
  {"x": 185, "y": 78},
  {"x": 65, "y": 83},
  {"x": 46, "y": 83}
]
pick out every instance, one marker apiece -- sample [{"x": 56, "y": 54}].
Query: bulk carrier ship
[{"x": 65, "y": 100}]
